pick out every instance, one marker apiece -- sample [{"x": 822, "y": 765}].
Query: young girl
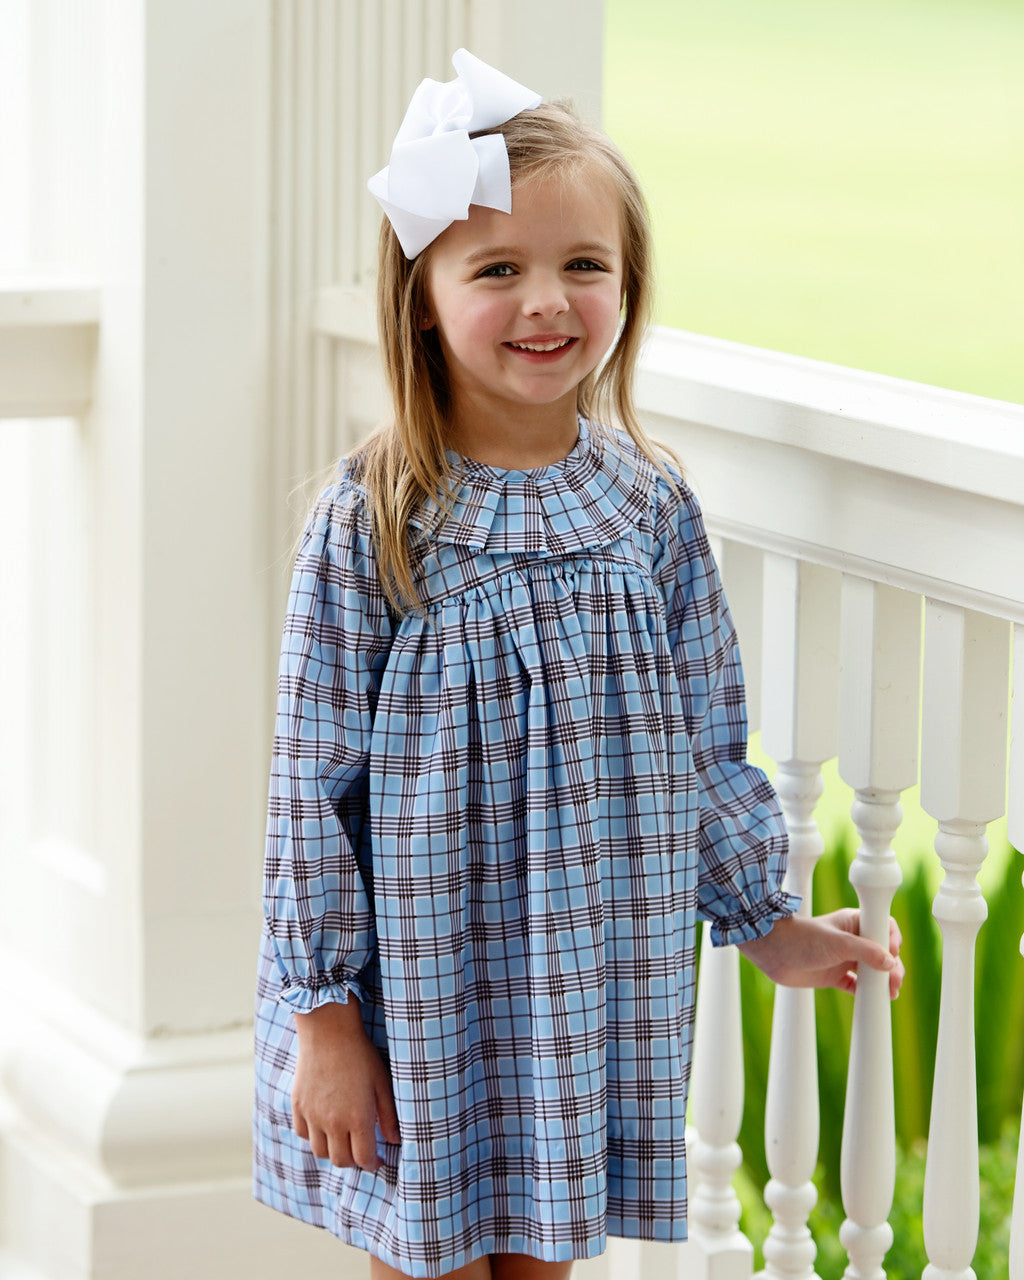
[{"x": 510, "y": 756}]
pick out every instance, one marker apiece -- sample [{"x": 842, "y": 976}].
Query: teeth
[{"x": 541, "y": 346}]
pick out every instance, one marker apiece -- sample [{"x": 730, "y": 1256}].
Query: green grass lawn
[{"x": 842, "y": 179}]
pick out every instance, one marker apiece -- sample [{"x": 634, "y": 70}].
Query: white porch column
[
  {"x": 129, "y": 945},
  {"x": 963, "y": 785}
]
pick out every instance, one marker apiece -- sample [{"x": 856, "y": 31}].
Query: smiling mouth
[{"x": 542, "y": 347}]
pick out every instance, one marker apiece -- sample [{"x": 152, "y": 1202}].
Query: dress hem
[{"x": 543, "y": 1251}]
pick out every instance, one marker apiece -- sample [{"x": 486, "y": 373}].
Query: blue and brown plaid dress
[{"x": 495, "y": 823}]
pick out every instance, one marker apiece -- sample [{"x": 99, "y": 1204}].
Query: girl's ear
[{"x": 427, "y": 321}]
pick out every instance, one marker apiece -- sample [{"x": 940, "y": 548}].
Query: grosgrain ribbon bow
[{"x": 437, "y": 170}]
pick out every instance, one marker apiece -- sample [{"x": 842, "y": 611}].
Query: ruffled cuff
[
  {"x": 332, "y": 990},
  {"x": 755, "y": 921}
]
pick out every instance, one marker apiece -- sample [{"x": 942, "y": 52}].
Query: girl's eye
[
  {"x": 585, "y": 264},
  {"x": 499, "y": 269}
]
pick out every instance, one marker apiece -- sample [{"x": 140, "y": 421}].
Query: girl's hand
[
  {"x": 824, "y": 951},
  {"x": 341, "y": 1086}
]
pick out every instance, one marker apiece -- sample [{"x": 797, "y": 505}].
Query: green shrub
[{"x": 907, "y": 1259}]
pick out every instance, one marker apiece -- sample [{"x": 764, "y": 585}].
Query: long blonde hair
[{"x": 404, "y": 462}]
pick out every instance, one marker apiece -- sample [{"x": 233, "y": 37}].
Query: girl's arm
[
  {"x": 743, "y": 843},
  {"x": 742, "y": 834},
  {"x": 318, "y": 894},
  {"x": 824, "y": 951}
]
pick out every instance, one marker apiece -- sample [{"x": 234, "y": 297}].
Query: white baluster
[
  {"x": 742, "y": 569},
  {"x": 963, "y": 782},
  {"x": 791, "y": 1109},
  {"x": 1015, "y": 831},
  {"x": 801, "y": 648},
  {"x": 620, "y": 1261},
  {"x": 879, "y": 684},
  {"x": 631, "y": 1260},
  {"x": 717, "y": 1249}
]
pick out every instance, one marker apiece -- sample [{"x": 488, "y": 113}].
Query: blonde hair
[{"x": 404, "y": 462}]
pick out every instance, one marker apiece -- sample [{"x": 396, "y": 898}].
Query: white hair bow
[{"x": 437, "y": 170}]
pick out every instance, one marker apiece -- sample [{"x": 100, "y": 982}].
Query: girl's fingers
[
  {"x": 856, "y": 950},
  {"x": 881, "y": 959},
  {"x": 339, "y": 1151},
  {"x": 895, "y": 937},
  {"x": 885, "y": 962},
  {"x": 873, "y": 953},
  {"x": 896, "y": 980},
  {"x": 342, "y": 1148},
  {"x": 363, "y": 1150},
  {"x": 319, "y": 1144},
  {"x": 387, "y": 1116},
  {"x": 846, "y": 919}
]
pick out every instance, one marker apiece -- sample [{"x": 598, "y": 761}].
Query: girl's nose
[{"x": 545, "y": 297}]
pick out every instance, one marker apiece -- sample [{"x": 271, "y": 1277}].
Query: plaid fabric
[{"x": 495, "y": 824}]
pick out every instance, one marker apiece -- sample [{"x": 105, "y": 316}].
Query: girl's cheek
[{"x": 485, "y": 315}]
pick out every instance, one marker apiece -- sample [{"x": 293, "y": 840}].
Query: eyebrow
[{"x": 497, "y": 253}]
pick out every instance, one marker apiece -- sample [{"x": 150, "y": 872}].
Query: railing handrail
[
  {"x": 30, "y": 300},
  {"x": 49, "y": 327},
  {"x": 897, "y": 482},
  {"x": 870, "y": 418}
]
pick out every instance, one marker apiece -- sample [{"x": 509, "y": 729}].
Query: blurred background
[{"x": 841, "y": 179}]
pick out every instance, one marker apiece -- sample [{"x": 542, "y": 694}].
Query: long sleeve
[
  {"x": 337, "y": 633},
  {"x": 743, "y": 842}
]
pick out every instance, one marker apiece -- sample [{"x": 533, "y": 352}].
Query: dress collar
[{"x": 594, "y": 496}]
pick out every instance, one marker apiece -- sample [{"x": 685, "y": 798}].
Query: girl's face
[{"x": 527, "y": 303}]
